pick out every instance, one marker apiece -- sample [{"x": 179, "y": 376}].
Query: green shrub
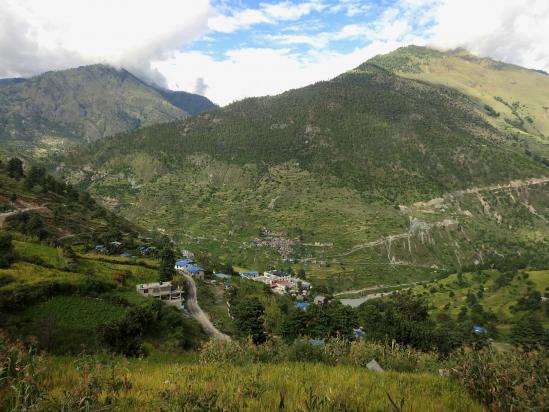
[
  {"x": 125, "y": 336},
  {"x": 509, "y": 381},
  {"x": 303, "y": 351},
  {"x": 217, "y": 351},
  {"x": 7, "y": 255}
]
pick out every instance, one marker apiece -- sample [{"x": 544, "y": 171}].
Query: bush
[
  {"x": 217, "y": 351},
  {"x": 394, "y": 357},
  {"x": 303, "y": 351},
  {"x": 510, "y": 381},
  {"x": 529, "y": 333},
  {"x": 7, "y": 255},
  {"x": 124, "y": 336}
]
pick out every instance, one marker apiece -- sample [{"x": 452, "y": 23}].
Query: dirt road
[
  {"x": 197, "y": 313},
  {"x": 4, "y": 216}
]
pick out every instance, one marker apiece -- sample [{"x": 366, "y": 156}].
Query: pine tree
[
  {"x": 6, "y": 250},
  {"x": 15, "y": 168},
  {"x": 248, "y": 317},
  {"x": 529, "y": 333},
  {"x": 167, "y": 263}
]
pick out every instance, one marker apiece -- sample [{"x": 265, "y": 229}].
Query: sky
[{"x": 231, "y": 49}]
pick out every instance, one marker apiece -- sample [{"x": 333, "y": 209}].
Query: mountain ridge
[{"x": 84, "y": 104}]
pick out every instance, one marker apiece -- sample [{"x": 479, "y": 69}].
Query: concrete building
[{"x": 164, "y": 291}]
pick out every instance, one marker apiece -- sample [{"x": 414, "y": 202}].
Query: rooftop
[{"x": 184, "y": 262}]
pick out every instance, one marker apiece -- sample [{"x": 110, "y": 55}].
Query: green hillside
[
  {"x": 49, "y": 111},
  {"x": 36, "y": 204},
  {"x": 330, "y": 178},
  {"x": 516, "y": 99},
  {"x": 500, "y": 300}
]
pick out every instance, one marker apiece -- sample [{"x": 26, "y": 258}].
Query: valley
[{"x": 377, "y": 241}]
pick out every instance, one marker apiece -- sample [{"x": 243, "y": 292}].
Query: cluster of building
[
  {"x": 280, "y": 282},
  {"x": 117, "y": 247},
  {"x": 109, "y": 248},
  {"x": 277, "y": 241},
  {"x": 146, "y": 250},
  {"x": 189, "y": 267}
]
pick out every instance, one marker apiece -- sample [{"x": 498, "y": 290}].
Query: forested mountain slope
[
  {"x": 312, "y": 174},
  {"x": 84, "y": 104},
  {"x": 36, "y": 204}
]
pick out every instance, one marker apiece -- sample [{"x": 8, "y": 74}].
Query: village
[{"x": 279, "y": 282}]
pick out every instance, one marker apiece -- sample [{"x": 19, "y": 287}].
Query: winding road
[
  {"x": 4, "y": 216},
  {"x": 201, "y": 316}
]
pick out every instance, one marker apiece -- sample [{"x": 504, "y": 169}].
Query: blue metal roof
[
  {"x": 251, "y": 274},
  {"x": 479, "y": 329},
  {"x": 184, "y": 262},
  {"x": 195, "y": 269},
  {"x": 302, "y": 305}
]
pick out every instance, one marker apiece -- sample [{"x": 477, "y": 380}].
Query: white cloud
[
  {"x": 351, "y": 7},
  {"x": 509, "y": 30},
  {"x": 256, "y": 72},
  {"x": 36, "y": 35},
  {"x": 267, "y": 13}
]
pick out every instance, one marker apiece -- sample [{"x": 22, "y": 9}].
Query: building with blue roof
[
  {"x": 302, "y": 305},
  {"x": 480, "y": 330},
  {"x": 196, "y": 272},
  {"x": 359, "y": 333},
  {"x": 183, "y": 264},
  {"x": 249, "y": 274},
  {"x": 100, "y": 248}
]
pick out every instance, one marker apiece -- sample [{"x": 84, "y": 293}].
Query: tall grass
[
  {"x": 268, "y": 387},
  {"x": 514, "y": 381},
  {"x": 94, "y": 383}
]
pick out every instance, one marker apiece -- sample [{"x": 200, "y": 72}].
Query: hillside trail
[
  {"x": 375, "y": 287},
  {"x": 513, "y": 184},
  {"x": 201, "y": 316},
  {"x": 4, "y": 216}
]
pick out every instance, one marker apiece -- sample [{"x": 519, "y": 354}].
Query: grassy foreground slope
[
  {"x": 330, "y": 178},
  {"x": 292, "y": 387}
]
